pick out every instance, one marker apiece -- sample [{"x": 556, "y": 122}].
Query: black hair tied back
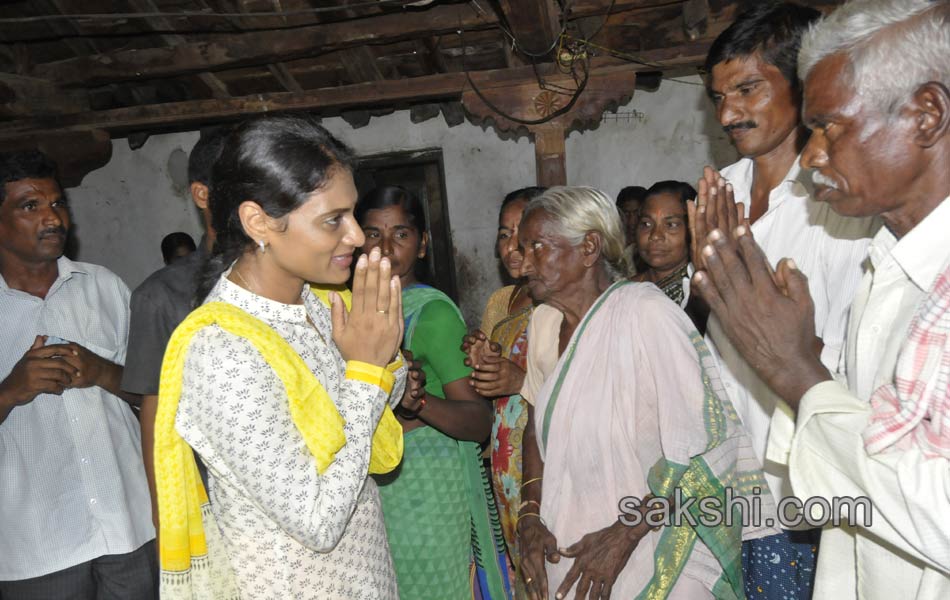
[{"x": 275, "y": 161}]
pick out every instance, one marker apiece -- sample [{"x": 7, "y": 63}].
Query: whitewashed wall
[{"x": 124, "y": 209}]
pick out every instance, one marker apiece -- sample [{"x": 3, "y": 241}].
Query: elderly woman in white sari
[{"x": 633, "y": 409}]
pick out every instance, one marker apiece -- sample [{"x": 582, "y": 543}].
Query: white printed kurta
[{"x": 289, "y": 531}]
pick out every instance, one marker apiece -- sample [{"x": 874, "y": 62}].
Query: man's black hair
[
  {"x": 204, "y": 155},
  {"x": 774, "y": 30},
  {"x": 631, "y": 192},
  {"x": 173, "y": 241},
  {"x": 24, "y": 164}
]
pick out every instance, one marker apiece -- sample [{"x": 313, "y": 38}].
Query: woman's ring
[
  {"x": 528, "y": 580},
  {"x": 383, "y": 312}
]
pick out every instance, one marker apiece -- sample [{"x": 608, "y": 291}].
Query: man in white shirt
[
  {"x": 877, "y": 100},
  {"x": 757, "y": 96},
  {"x": 73, "y": 498}
]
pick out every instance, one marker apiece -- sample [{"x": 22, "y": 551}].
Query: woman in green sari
[{"x": 438, "y": 508}]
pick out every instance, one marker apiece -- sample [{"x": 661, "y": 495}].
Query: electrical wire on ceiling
[
  {"x": 570, "y": 52},
  {"x": 567, "y": 63},
  {"x": 634, "y": 59}
]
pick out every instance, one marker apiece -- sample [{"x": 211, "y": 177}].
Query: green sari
[{"x": 440, "y": 515}]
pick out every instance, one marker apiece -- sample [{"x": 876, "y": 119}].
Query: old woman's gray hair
[
  {"x": 894, "y": 47},
  {"x": 582, "y": 210}
]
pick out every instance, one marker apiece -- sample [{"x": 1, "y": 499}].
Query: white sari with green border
[{"x": 634, "y": 407}]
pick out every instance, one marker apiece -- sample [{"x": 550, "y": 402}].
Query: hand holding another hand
[
  {"x": 41, "y": 370},
  {"x": 415, "y": 392},
  {"x": 475, "y": 345},
  {"x": 496, "y": 376}
]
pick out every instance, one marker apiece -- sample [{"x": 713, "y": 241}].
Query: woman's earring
[{"x": 261, "y": 246}]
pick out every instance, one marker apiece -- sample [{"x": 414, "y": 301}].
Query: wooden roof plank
[
  {"x": 217, "y": 87},
  {"x": 258, "y": 48},
  {"x": 416, "y": 89},
  {"x": 534, "y": 24}
]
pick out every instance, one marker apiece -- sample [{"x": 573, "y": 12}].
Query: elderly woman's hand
[
  {"x": 599, "y": 558},
  {"x": 537, "y": 545},
  {"x": 496, "y": 376}
]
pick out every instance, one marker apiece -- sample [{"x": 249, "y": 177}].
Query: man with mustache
[
  {"x": 72, "y": 485},
  {"x": 877, "y": 98},
  {"x": 757, "y": 97}
]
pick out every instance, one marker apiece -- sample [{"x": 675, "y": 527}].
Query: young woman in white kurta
[{"x": 282, "y": 205}]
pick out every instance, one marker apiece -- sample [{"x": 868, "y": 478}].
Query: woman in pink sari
[{"x": 633, "y": 409}]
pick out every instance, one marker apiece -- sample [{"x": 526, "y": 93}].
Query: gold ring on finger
[{"x": 383, "y": 312}]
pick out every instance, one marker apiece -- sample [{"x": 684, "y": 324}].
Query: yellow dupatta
[{"x": 194, "y": 563}]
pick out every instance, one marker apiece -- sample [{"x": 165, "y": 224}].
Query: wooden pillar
[
  {"x": 527, "y": 104},
  {"x": 549, "y": 153}
]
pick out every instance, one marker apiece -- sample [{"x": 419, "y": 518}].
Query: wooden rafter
[
  {"x": 360, "y": 64},
  {"x": 236, "y": 50},
  {"x": 444, "y": 86},
  {"x": 217, "y": 87},
  {"x": 534, "y": 24},
  {"x": 278, "y": 70},
  {"x": 258, "y": 48}
]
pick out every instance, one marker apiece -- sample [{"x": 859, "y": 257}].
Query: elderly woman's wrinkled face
[
  {"x": 661, "y": 234},
  {"x": 507, "y": 242},
  {"x": 550, "y": 264}
]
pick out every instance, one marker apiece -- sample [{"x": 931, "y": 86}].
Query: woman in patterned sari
[
  {"x": 509, "y": 299},
  {"x": 500, "y": 371},
  {"x": 438, "y": 508}
]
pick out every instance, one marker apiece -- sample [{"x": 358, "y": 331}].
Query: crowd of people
[{"x": 308, "y": 417}]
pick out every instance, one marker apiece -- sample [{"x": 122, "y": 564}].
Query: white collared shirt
[
  {"x": 906, "y": 552},
  {"x": 72, "y": 482},
  {"x": 830, "y": 250}
]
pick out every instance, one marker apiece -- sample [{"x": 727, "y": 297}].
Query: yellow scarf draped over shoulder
[{"x": 181, "y": 494}]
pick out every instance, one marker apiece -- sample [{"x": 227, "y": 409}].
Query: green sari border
[{"x": 562, "y": 374}]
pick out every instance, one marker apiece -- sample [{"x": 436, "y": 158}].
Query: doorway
[{"x": 423, "y": 174}]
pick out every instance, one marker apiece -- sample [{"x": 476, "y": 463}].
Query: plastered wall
[{"x": 123, "y": 210}]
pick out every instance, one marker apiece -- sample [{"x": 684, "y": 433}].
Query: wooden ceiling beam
[
  {"x": 388, "y": 92},
  {"x": 258, "y": 48},
  {"x": 534, "y": 24},
  {"x": 263, "y": 47},
  {"x": 216, "y": 86},
  {"x": 278, "y": 71},
  {"x": 284, "y": 77},
  {"x": 29, "y": 97},
  {"x": 360, "y": 64}
]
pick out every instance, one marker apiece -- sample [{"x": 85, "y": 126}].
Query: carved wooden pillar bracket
[
  {"x": 527, "y": 101},
  {"x": 76, "y": 153}
]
